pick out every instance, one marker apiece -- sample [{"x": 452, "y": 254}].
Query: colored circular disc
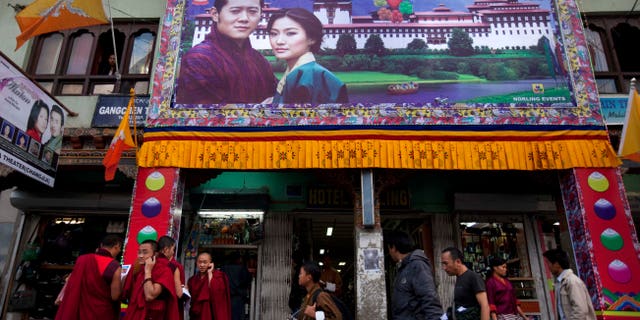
[
  {"x": 611, "y": 239},
  {"x": 147, "y": 233},
  {"x": 151, "y": 207},
  {"x": 619, "y": 271},
  {"x": 604, "y": 209},
  {"x": 598, "y": 182},
  {"x": 155, "y": 181}
]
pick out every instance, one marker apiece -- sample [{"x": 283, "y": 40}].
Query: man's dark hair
[
  {"x": 153, "y": 243},
  {"x": 56, "y": 108},
  {"x": 455, "y": 253},
  {"x": 219, "y": 4},
  {"x": 559, "y": 256},
  {"x": 307, "y": 20},
  {"x": 313, "y": 269},
  {"x": 111, "y": 241},
  {"x": 165, "y": 242},
  {"x": 399, "y": 240}
]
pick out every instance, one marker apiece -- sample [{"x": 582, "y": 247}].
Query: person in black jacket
[{"x": 414, "y": 290}]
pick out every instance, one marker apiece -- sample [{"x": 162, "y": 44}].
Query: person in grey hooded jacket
[{"x": 414, "y": 290}]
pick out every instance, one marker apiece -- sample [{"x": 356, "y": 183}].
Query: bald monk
[
  {"x": 150, "y": 288},
  {"x": 94, "y": 286},
  {"x": 210, "y": 297}
]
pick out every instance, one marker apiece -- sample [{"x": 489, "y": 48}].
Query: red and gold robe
[
  {"x": 210, "y": 300},
  {"x": 165, "y": 306},
  {"x": 87, "y": 294}
]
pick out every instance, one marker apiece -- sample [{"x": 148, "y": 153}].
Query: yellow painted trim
[{"x": 378, "y": 153}]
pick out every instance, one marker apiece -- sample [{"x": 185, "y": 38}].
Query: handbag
[{"x": 23, "y": 298}]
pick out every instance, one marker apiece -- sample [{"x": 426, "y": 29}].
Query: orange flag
[
  {"x": 44, "y": 16},
  {"x": 630, "y": 138},
  {"x": 122, "y": 141}
]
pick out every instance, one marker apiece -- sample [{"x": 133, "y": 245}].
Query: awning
[{"x": 259, "y": 149}]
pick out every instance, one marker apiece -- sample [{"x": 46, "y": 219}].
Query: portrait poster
[
  {"x": 424, "y": 53},
  {"x": 31, "y": 125}
]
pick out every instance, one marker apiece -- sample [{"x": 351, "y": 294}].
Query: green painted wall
[{"x": 431, "y": 191}]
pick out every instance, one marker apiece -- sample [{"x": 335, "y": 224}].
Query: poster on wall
[
  {"x": 31, "y": 125},
  {"x": 366, "y": 52}
]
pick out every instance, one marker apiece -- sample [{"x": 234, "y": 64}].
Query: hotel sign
[{"x": 334, "y": 198}]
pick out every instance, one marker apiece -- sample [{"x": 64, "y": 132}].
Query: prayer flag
[
  {"x": 122, "y": 141},
  {"x": 630, "y": 138},
  {"x": 44, "y": 16}
]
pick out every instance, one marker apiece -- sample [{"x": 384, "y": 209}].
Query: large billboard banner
[
  {"x": 423, "y": 53},
  {"x": 31, "y": 125},
  {"x": 448, "y": 84}
]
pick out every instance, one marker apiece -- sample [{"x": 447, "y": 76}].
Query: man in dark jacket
[{"x": 414, "y": 290}]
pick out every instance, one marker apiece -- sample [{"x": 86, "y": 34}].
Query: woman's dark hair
[
  {"x": 35, "y": 111},
  {"x": 494, "y": 262},
  {"x": 219, "y": 4},
  {"x": 313, "y": 269},
  {"x": 559, "y": 256},
  {"x": 455, "y": 253},
  {"x": 399, "y": 240},
  {"x": 309, "y": 22}
]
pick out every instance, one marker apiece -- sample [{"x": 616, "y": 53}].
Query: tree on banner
[
  {"x": 630, "y": 139},
  {"x": 44, "y": 16},
  {"x": 122, "y": 141}
]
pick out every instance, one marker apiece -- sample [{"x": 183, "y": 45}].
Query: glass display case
[{"x": 219, "y": 228}]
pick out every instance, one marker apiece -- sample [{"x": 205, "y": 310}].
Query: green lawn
[{"x": 364, "y": 78}]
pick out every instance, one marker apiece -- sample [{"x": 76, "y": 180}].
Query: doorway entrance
[{"x": 317, "y": 236}]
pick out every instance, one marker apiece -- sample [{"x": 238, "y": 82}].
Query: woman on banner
[
  {"x": 500, "y": 293},
  {"x": 224, "y": 68},
  {"x": 295, "y": 35},
  {"x": 38, "y": 120}
]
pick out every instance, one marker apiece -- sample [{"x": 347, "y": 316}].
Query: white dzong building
[{"x": 490, "y": 23}]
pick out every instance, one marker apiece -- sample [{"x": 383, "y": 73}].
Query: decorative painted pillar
[
  {"x": 604, "y": 240},
  {"x": 371, "y": 297},
  {"x": 156, "y": 208}
]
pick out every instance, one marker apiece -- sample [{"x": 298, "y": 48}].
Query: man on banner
[
  {"x": 630, "y": 138},
  {"x": 121, "y": 141}
]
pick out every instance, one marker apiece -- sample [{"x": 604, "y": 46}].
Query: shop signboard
[
  {"x": 614, "y": 109},
  {"x": 422, "y": 53},
  {"x": 111, "y": 108},
  {"x": 31, "y": 125},
  {"x": 327, "y": 197}
]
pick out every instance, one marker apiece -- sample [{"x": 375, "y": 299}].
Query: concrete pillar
[
  {"x": 156, "y": 208},
  {"x": 371, "y": 293},
  {"x": 604, "y": 239}
]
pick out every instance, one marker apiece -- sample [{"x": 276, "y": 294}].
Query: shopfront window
[{"x": 50, "y": 254}]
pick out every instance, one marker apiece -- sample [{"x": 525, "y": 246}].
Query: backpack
[{"x": 342, "y": 307}]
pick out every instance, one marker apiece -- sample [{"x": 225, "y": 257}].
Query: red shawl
[
  {"x": 165, "y": 306},
  {"x": 210, "y": 300},
  {"x": 87, "y": 295}
]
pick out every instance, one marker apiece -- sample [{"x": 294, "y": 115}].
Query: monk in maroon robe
[
  {"x": 93, "y": 288},
  {"x": 150, "y": 290},
  {"x": 210, "y": 296}
]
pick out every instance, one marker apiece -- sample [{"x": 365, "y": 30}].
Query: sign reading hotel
[
  {"x": 423, "y": 53},
  {"x": 31, "y": 125}
]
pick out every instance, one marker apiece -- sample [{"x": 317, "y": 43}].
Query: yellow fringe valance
[{"x": 378, "y": 153}]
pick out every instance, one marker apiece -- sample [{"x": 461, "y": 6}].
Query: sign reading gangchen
[{"x": 31, "y": 125}]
